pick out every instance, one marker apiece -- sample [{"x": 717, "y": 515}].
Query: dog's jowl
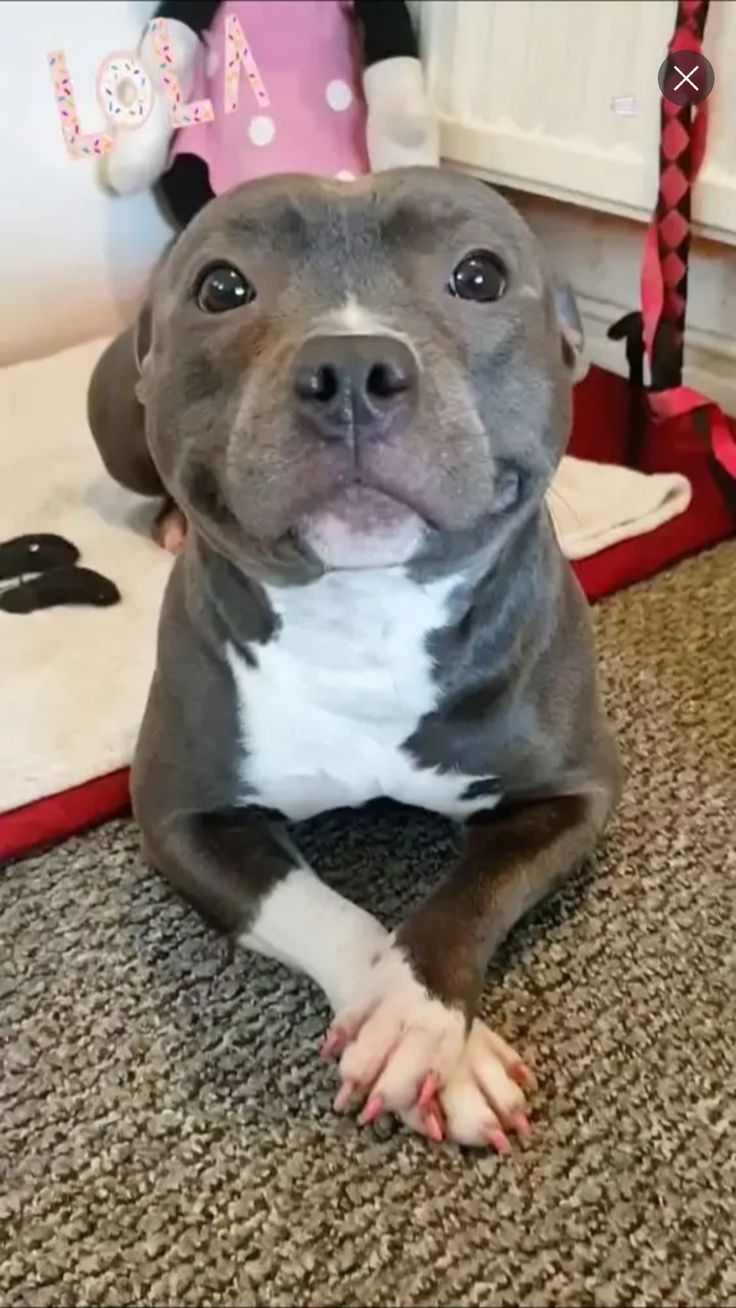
[{"x": 358, "y": 395}]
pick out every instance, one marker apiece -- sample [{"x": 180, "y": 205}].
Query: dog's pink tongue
[{"x": 362, "y": 528}]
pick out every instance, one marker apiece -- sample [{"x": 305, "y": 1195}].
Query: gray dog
[{"x": 358, "y": 394}]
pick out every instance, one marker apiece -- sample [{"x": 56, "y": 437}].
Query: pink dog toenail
[
  {"x": 334, "y": 1042},
  {"x": 523, "y": 1076},
  {"x": 344, "y": 1095},
  {"x": 372, "y": 1110},
  {"x": 521, "y": 1125},
  {"x": 498, "y": 1141},
  {"x": 433, "y": 1127},
  {"x": 430, "y": 1087}
]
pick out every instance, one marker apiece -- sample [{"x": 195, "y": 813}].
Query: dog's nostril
[
  {"x": 385, "y": 380},
  {"x": 320, "y": 383},
  {"x": 326, "y": 384}
]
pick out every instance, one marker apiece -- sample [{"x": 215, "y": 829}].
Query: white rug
[{"x": 74, "y": 680}]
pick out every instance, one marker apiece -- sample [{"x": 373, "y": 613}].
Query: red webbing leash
[{"x": 666, "y": 252}]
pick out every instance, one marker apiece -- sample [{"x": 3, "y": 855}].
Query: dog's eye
[
  {"x": 224, "y": 288},
  {"x": 479, "y": 276}
]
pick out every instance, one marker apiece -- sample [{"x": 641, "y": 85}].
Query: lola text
[{"x": 125, "y": 93}]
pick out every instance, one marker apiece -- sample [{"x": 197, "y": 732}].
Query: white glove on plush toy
[
  {"x": 401, "y": 131},
  {"x": 297, "y": 102}
]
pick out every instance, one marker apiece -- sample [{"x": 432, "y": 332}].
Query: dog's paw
[
  {"x": 406, "y": 1053},
  {"x": 393, "y": 1037},
  {"x": 483, "y": 1099}
]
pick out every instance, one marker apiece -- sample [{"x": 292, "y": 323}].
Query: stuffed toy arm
[
  {"x": 139, "y": 158},
  {"x": 401, "y": 129}
]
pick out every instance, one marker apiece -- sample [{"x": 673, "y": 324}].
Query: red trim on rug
[{"x": 52, "y": 819}]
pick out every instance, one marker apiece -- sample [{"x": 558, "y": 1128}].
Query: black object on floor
[
  {"x": 40, "y": 572},
  {"x": 62, "y": 586},
  {"x": 39, "y": 553}
]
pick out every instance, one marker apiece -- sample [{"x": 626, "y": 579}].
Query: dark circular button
[{"x": 686, "y": 78}]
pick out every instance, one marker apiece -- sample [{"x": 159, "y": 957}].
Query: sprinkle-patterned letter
[
  {"x": 79, "y": 144},
  {"x": 238, "y": 52},
  {"x": 182, "y": 115},
  {"x": 124, "y": 91}
]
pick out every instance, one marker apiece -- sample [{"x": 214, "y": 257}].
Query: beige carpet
[{"x": 165, "y": 1131}]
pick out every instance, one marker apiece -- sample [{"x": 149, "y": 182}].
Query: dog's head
[{"x": 341, "y": 375}]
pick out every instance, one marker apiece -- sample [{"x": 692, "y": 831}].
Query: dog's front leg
[
  {"x": 244, "y": 876},
  {"x": 421, "y": 1037}
]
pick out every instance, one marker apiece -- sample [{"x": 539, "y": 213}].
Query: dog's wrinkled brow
[
  {"x": 421, "y": 226},
  {"x": 284, "y": 226}
]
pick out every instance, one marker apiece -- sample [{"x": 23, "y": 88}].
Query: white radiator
[{"x": 560, "y": 98}]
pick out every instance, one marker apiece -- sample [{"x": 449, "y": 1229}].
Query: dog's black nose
[{"x": 352, "y": 386}]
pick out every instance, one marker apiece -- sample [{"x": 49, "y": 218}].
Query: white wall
[
  {"x": 529, "y": 94},
  {"x": 526, "y": 93},
  {"x": 72, "y": 260}
]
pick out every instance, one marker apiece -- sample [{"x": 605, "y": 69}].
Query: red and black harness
[{"x": 656, "y": 333}]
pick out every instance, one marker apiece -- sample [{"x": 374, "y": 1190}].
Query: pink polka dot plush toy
[{"x": 311, "y": 86}]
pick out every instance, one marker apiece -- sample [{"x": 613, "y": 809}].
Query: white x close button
[{"x": 686, "y": 78}]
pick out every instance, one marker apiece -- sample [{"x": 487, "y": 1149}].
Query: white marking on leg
[
  {"x": 308, "y": 926},
  {"x": 401, "y": 1033}
]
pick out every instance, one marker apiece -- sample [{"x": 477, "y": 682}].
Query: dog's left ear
[
  {"x": 572, "y": 336},
  {"x": 141, "y": 347},
  {"x": 142, "y": 336},
  {"x": 143, "y": 328}
]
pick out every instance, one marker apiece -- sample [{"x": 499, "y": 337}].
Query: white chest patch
[{"x": 338, "y": 690}]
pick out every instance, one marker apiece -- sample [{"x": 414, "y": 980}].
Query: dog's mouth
[
  {"x": 362, "y": 527},
  {"x": 366, "y": 526}
]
